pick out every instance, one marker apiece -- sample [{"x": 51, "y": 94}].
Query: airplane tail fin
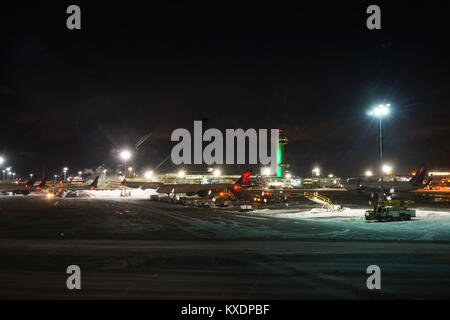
[
  {"x": 244, "y": 179},
  {"x": 419, "y": 177},
  {"x": 93, "y": 185},
  {"x": 30, "y": 182}
]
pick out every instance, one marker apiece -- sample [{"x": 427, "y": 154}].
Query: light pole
[
  {"x": 125, "y": 155},
  {"x": 2, "y": 160},
  {"x": 380, "y": 111},
  {"x": 104, "y": 174},
  {"x": 8, "y": 171},
  {"x": 65, "y": 169}
]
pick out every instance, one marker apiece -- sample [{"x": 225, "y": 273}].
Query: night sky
[{"x": 70, "y": 98}]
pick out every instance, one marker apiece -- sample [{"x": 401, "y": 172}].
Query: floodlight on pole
[
  {"x": 316, "y": 171},
  {"x": 380, "y": 111},
  {"x": 217, "y": 173},
  {"x": 125, "y": 155},
  {"x": 369, "y": 173},
  {"x": 387, "y": 168},
  {"x": 148, "y": 174}
]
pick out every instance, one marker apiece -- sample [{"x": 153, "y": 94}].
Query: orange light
[
  {"x": 38, "y": 188},
  {"x": 59, "y": 190},
  {"x": 236, "y": 187},
  {"x": 26, "y": 186},
  {"x": 92, "y": 188},
  {"x": 221, "y": 194}
]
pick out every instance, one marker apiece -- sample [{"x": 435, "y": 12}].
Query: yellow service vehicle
[{"x": 391, "y": 211}]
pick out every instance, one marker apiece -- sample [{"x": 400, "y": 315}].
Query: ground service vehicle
[{"x": 391, "y": 211}]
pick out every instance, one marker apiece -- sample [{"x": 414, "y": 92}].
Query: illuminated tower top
[{"x": 281, "y": 164}]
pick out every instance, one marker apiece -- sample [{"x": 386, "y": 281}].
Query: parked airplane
[
  {"x": 362, "y": 185},
  {"x": 141, "y": 185},
  {"x": 22, "y": 188},
  {"x": 203, "y": 190},
  {"x": 71, "y": 190}
]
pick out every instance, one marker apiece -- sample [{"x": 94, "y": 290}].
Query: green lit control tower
[{"x": 281, "y": 164}]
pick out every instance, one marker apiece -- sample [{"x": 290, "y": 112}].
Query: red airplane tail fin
[{"x": 244, "y": 179}]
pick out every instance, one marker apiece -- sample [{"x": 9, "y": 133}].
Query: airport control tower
[{"x": 281, "y": 164}]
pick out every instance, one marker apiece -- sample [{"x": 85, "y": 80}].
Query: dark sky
[{"x": 70, "y": 98}]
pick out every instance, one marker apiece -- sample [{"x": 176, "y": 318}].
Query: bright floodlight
[
  {"x": 8, "y": 169},
  {"x": 104, "y": 171},
  {"x": 125, "y": 155},
  {"x": 130, "y": 169},
  {"x": 65, "y": 169},
  {"x": 380, "y": 110},
  {"x": 217, "y": 173},
  {"x": 2, "y": 160},
  {"x": 288, "y": 175},
  {"x": 79, "y": 173},
  {"x": 266, "y": 171},
  {"x": 387, "y": 168},
  {"x": 181, "y": 173},
  {"x": 148, "y": 174},
  {"x": 316, "y": 171},
  {"x": 369, "y": 173},
  {"x": 330, "y": 176}
]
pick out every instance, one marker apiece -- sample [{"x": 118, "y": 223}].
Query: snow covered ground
[
  {"x": 346, "y": 213},
  {"x": 428, "y": 225}
]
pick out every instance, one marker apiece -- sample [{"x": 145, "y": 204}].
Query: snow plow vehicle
[{"x": 391, "y": 211}]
